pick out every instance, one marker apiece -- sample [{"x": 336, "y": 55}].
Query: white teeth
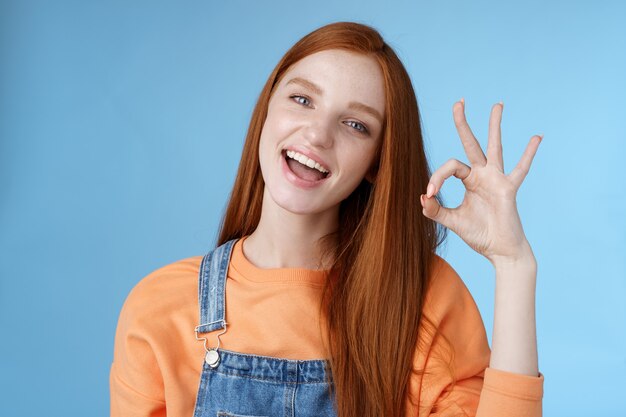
[{"x": 306, "y": 161}]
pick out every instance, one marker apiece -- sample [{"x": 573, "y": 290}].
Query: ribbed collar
[{"x": 251, "y": 272}]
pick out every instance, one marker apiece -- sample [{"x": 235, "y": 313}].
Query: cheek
[
  {"x": 285, "y": 123},
  {"x": 280, "y": 120},
  {"x": 360, "y": 158},
  {"x": 271, "y": 133}
]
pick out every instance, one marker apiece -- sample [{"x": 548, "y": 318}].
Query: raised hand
[{"x": 487, "y": 219}]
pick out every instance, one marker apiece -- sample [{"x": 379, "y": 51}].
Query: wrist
[{"x": 520, "y": 258}]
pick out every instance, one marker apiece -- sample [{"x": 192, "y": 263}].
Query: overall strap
[{"x": 212, "y": 288}]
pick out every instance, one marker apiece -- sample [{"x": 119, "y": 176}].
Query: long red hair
[{"x": 384, "y": 247}]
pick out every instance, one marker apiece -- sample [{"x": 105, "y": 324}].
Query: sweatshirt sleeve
[
  {"x": 451, "y": 375},
  {"x": 135, "y": 381}
]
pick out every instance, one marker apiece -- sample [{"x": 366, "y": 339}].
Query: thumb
[{"x": 434, "y": 211}]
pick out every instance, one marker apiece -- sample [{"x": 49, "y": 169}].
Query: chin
[{"x": 297, "y": 205}]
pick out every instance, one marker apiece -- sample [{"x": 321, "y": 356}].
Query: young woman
[{"x": 324, "y": 295}]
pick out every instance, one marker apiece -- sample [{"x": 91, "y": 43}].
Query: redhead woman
[{"x": 323, "y": 295}]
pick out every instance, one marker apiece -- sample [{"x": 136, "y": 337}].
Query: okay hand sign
[{"x": 487, "y": 219}]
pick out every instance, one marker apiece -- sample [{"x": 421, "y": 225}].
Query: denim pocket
[{"x": 227, "y": 414}]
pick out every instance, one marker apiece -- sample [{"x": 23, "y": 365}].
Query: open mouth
[{"x": 303, "y": 167}]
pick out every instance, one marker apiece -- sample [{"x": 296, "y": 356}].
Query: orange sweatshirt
[{"x": 157, "y": 360}]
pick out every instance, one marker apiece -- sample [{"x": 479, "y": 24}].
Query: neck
[{"x": 288, "y": 240}]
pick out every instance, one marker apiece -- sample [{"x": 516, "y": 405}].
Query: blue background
[{"x": 121, "y": 127}]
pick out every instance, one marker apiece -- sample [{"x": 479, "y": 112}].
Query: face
[{"x": 327, "y": 113}]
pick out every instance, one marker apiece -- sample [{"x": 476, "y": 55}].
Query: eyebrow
[{"x": 352, "y": 105}]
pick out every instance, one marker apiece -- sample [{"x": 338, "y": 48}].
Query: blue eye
[
  {"x": 305, "y": 101},
  {"x": 359, "y": 127},
  {"x": 299, "y": 101}
]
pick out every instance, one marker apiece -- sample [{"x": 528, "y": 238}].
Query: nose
[{"x": 319, "y": 133}]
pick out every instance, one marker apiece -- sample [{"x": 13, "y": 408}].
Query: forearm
[{"x": 514, "y": 341}]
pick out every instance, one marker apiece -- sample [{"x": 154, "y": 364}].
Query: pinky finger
[{"x": 523, "y": 166}]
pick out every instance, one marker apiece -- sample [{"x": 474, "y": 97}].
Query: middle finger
[{"x": 472, "y": 148}]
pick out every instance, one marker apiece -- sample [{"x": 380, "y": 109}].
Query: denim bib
[{"x": 243, "y": 385}]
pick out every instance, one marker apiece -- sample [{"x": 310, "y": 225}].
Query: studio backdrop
[{"x": 122, "y": 124}]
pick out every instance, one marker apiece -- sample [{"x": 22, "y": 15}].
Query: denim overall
[{"x": 243, "y": 385}]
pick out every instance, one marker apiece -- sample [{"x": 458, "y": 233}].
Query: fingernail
[
  {"x": 463, "y": 100},
  {"x": 541, "y": 136},
  {"x": 430, "y": 190},
  {"x": 502, "y": 103}
]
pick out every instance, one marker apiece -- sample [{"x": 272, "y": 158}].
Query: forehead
[{"x": 342, "y": 75}]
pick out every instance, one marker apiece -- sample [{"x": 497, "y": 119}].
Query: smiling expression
[{"x": 328, "y": 107}]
